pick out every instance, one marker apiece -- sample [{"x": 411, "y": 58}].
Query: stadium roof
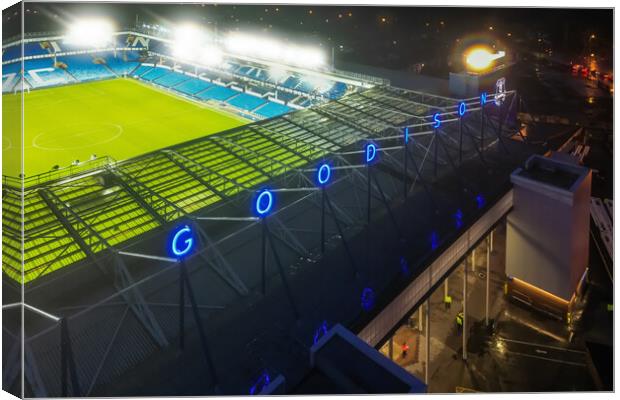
[{"x": 100, "y": 220}]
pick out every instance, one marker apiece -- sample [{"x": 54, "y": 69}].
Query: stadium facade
[{"x": 330, "y": 203}]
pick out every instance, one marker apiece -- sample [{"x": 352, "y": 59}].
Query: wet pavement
[{"x": 520, "y": 351}]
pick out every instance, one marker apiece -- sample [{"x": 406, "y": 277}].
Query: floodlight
[
  {"x": 278, "y": 74},
  {"x": 480, "y": 58},
  {"x": 270, "y": 49},
  {"x": 90, "y": 32},
  {"x": 320, "y": 84},
  {"x": 211, "y": 55},
  {"x": 187, "y": 41},
  {"x": 189, "y": 33}
]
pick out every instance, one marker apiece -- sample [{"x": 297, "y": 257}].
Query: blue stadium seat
[
  {"x": 285, "y": 96},
  {"x": 171, "y": 79},
  {"x": 84, "y": 69},
  {"x": 217, "y": 92},
  {"x": 246, "y": 101},
  {"x": 193, "y": 86},
  {"x": 120, "y": 66},
  {"x": 155, "y": 73},
  {"x": 305, "y": 86},
  {"x": 142, "y": 69},
  {"x": 30, "y": 49},
  {"x": 262, "y": 90},
  {"x": 42, "y": 73},
  {"x": 11, "y": 68},
  {"x": 272, "y": 109},
  {"x": 291, "y": 82},
  {"x": 336, "y": 91}
]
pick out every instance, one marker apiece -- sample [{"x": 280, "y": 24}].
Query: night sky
[{"x": 388, "y": 37}]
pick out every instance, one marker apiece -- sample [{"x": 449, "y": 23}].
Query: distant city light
[{"x": 90, "y": 32}]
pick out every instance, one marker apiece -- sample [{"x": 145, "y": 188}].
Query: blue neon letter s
[{"x": 437, "y": 120}]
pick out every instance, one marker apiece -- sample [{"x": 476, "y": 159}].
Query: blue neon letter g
[{"x": 189, "y": 241}]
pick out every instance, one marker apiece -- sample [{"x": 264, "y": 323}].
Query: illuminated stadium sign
[
  {"x": 263, "y": 203},
  {"x": 462, "y": 108},
  {"x": 371, "y": 152},
  {"x": 500, "y": 91},
  {"x": 368, "y": 299},
  {"x": 406, "y": 134},
  {"x": 483, "y": 98},
  {"x": 182, "y": 241},
  {"x": 436, "y": 120},
  {"x": 323, "y": 174}
]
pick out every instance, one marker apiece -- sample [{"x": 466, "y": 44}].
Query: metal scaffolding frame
[{"x": 302, "y": 139}]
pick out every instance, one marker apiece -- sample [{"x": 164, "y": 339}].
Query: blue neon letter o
[
  {"x": 323, "y": 174},
  {"x": 462, "y": 108},
  {"x": 262, "y": 210}
]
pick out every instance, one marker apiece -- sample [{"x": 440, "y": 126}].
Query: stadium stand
[
  {"x": 261, "y": 90},
  {"x": 9, "y": 81},
  {"x": 291, "y": 82},
  {"x": 30, "y": 49},
  {"x": 193, "y": 86},
  {"x": 42, "y": 73},
  {"x": 84, "y": 69},
  {"x": 246, "y": 101},
  {"x": 120, "y": 66},
  {"x": 171, "y": 79},
  {"x": 229, "y": 163},
  {"x": 272, "y": 109},
  {"x": 217, "y": 92},
  {"x": 154, "y": 74},
  {"x": 285, "y": 96},
  {"x": 141, "y": 70},
  {"x": 11, "y": 68}
]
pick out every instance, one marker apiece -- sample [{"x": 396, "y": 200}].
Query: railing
[
  {"x": 362, "y": 77},
  {"x": 58, "y": 174}
]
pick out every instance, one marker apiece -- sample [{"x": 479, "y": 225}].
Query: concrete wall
[{"x": 547, "y": 238}]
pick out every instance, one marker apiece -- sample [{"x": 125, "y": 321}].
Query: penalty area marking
[{"x": 102, "y": 132}]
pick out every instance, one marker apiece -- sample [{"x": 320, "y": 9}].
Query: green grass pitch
[{"x": 120, "y": 118}]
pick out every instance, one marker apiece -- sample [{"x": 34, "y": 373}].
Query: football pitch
[{"x": 120, "y": 118}]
